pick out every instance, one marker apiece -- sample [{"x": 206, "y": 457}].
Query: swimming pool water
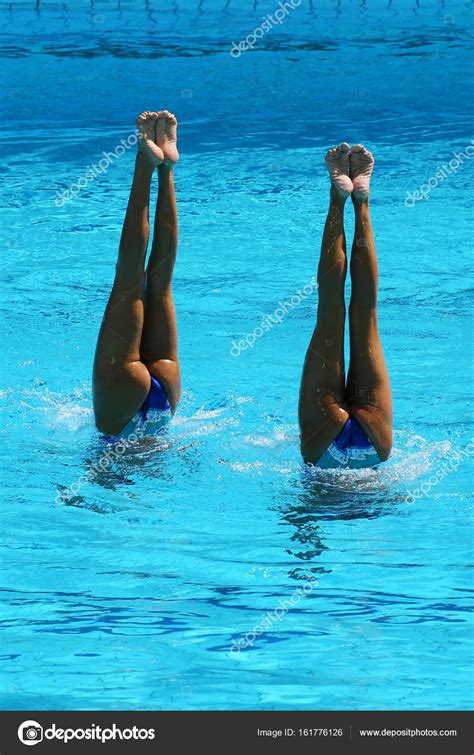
[{"x": 132, "y": 593}]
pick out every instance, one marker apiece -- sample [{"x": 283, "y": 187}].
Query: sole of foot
[
  {"x": 166, "y": 136},
  {"x": 361, "y": 163},
  {"x": 146, "y": 141},
  {"x": 337, "y": 163}
]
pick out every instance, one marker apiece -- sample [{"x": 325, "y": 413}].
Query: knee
[
  {"x": 334, "y": 277},
  {"x": 364, "y": 309},
  {"x": 336, "y": 265}
]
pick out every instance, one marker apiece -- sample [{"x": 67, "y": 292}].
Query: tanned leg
[
  {"x": 159, "y": 344},
  {"x": 321, "y": 411},
  {"x": 121, "y": 380},
  {"x": 368, "y": 393}
]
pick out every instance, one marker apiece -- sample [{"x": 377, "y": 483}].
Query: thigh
[
  {"x": 368, "y": 393},
  {"x": 321, "y": 412},
  {"x": 119, "y": 391},
  {"x": 121, "y": 380}
]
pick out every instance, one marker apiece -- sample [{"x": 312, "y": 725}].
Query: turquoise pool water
[{"x": 345, "y": 590}]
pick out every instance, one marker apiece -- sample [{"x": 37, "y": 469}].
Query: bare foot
[
  {"x": 361, "y": 167},
  {"x": 337, "y": 163},
  {"x": 146, "y": 142},
  {"x": 166, "y": 127}
]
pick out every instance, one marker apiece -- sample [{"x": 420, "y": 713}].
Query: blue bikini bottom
[
  {"x": 152, "y": 416},
  {"x": 350, "y": 449}
]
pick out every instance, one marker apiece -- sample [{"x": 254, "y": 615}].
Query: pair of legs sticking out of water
[{"x": 137, "y": 382}]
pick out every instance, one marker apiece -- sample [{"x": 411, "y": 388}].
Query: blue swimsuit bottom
[
  {"x": 350, "y": 449},
  {"x": 152, "y": 416}
]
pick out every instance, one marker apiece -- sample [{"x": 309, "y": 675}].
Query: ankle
[
  {"x": 360, "y": 203},
  {"x": 143, "y": 166},
  {"x": 165, "y": 172},
  {"x": 336, "y": 199}
]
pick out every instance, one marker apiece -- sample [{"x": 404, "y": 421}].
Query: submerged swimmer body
[
  {"x": 136, "y": 379},
  {"x": 346, "y": 423}
]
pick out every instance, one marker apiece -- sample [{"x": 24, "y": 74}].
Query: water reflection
[
  {"x": 317, "y": 497},
  {"x": 116, "y": 468}
]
